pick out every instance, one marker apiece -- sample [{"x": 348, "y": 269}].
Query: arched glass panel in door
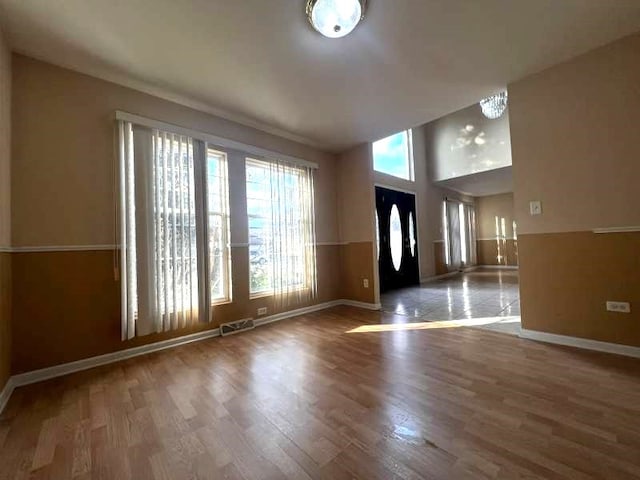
[{"x": 395, "y": 237}]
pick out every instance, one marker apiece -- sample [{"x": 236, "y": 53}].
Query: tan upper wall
[
  {"x": 63, "y": 144},
  {"x": 356, "y": 195},
  {"x": 490, "y": 207},
  {"x": 5, "y": 212},
  {"x": 5, "y": 144},
  {"x": 574, "y": 136}
]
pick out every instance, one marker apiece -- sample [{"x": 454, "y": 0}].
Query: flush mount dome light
[{"x": 335, "y": 18}]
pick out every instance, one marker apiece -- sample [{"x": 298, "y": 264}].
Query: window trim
[
  {"x": 409, "y": 156},
  {"x": 226, "y": 218},
  {"x": 208, "y": 138}
]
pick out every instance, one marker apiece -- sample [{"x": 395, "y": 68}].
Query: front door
[{"x": 397, "y": 239}]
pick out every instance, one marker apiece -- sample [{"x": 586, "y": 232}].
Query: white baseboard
[
  {"x": 5, "y": 395},
  {"x": 91, "y": 362},
  {"x": 367, "y": 306},
  {"x": 294, "y": 313},
  {"x": 499, "y": 267},
  {"x": 87, "y": 363},
  {"x": 626, "y": 350}
]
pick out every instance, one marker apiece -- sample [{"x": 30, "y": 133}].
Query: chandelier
[
  {"x": 494, "y": 106},
  {"x": 335, "y": 18}
]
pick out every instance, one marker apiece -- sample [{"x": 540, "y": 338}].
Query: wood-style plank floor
[{"x": 307, "y": 399}]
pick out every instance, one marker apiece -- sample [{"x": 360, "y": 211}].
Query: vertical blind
[
  {"x": 161, "y": 285},
  {"x": 459, "y": 220}
]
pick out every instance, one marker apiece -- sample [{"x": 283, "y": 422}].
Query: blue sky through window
[{"x": 391, "y": 156}]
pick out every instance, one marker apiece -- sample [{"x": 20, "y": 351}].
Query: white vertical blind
[
  {"x": 455, "y": 246},
  {"x": 470, "y": 222},
  {"x": 159, "y": 237}
]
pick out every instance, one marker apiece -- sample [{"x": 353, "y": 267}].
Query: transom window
[{"x": 394, "y": 155}]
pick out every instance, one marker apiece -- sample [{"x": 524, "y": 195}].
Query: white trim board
[
  {"x": 96, "y": 248},
  {"x": 397, "y": 189},
  {"x": 493, "y": 239},
  {"x": 213, "y": 139},
  {"x": 63, "y": 248},
  {"x": 585, "y": 343},
  {"x": 91, "y": 362},
  {"x": 499, "y": 267},
  {"x": 48, "y": 373},
  {"x": 366, "y": 306},
  {"x": 616, "y": 230},
  {"x": 5, "y": 394}
]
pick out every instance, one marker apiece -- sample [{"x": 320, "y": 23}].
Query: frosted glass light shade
[{"x": 335, "y": 18}]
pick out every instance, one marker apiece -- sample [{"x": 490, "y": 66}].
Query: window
[
  {"x": 281, "y": 228},
  {"x": 218, "y": 226},
  {"x": 171, "y": 188},
  {"x": 394, "y": 155}
]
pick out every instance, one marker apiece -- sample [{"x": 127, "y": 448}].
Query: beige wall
[
  {"x": 490, "y": 207},
  {"x": 357, "y": 225},
  {"x": 62, "y": 195},
  {"x": 574, "y": 135},
  {"x": 356, "y": 195},
  {"x": 493, "y": 248},
  {"x": 5, "y": 144},
  {"x": 574, "y": 130},
  {"x": 5, "y": 211},
  {"x": 71, "y": 117}
]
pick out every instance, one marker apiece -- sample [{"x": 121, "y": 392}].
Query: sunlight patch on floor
[{"x": 467, "y": 322}]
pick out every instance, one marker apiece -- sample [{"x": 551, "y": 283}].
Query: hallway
[{"x": 484, "y": 298}]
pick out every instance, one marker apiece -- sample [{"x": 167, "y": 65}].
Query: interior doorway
[{"x": 396, "y": 233}]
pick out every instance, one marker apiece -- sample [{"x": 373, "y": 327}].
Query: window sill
[
  {"x": 225, "y": 301},
  {"x": 272, "y": 293}
]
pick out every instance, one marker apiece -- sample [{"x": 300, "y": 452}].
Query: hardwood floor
[{"x": 304, "y": 398}]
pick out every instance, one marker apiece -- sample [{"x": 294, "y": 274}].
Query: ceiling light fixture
[
  {"x": 494, "y": 106},
  {"x": 335, "y": 18}
]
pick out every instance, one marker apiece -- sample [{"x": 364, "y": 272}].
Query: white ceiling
[
  {"x": 491, "y": 182},
  {"x": 260, "y": 63}
]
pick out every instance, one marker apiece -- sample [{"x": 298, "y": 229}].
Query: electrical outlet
[
  {"x": 262, "y": 311},
  {"x": 619, "y": 307},
  {"x": 365, "y": 282}
]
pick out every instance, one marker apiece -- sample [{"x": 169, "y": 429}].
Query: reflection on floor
[{"x": 483, "y": 298}]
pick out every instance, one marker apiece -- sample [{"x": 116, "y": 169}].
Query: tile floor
[{"x": 484, "y": 298}]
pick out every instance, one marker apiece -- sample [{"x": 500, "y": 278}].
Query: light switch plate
[{"x": 535, "y": 207}]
